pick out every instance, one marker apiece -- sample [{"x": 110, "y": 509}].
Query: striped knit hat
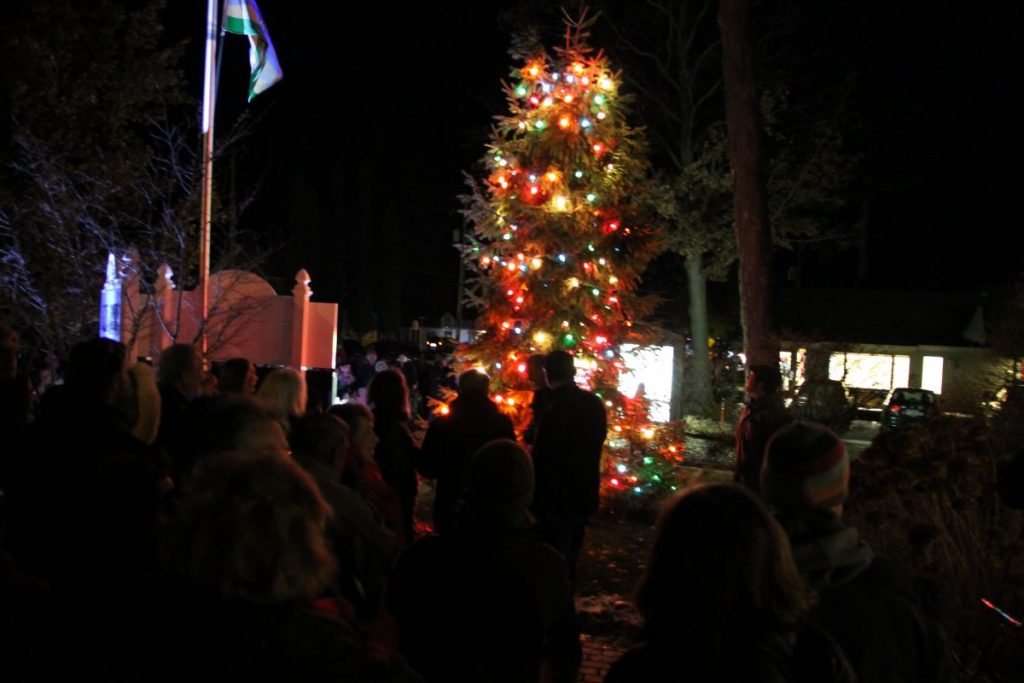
[{"x": 805, "y": 465}]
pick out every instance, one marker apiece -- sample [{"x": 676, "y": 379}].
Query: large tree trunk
[
  {"x": 753, "y": 235},
  {"x": 698, "y": 395}
]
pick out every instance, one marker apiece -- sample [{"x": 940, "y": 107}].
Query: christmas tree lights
[{"x": 563, "y": 226}]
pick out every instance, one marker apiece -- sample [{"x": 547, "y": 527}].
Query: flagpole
[{"x": 209, "y": 101}]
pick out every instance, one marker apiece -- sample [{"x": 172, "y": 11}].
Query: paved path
[{"x": 598, "y": 655}]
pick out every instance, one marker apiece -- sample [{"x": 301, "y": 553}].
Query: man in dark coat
[
  {"x": 567, "y": 459},
  {"x": 866, "y": 602},
  {"x": 451, "y": 441},
  {"x": 764, "y": 414}
]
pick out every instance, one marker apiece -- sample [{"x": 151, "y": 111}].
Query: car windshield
[{"x": 903, "y": 397}]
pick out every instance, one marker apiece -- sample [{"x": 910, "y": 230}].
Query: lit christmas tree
[{"x": 563, "y": 225}]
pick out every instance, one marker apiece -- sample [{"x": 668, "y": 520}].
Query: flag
[{"x": 243, "y": 17}]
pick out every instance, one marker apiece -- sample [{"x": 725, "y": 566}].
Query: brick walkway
[{"x": 598, "y": 655}]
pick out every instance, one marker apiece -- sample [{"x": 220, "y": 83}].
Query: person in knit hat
[
  {"x": 805, "y": 466},
  {"x": 866, "y": 602},
  {"x": 488, "y": 597}
]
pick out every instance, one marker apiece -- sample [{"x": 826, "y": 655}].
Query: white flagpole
[{"x": 209, "y": 102}]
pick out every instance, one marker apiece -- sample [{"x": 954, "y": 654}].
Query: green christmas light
[{"x": 521, "y": 91}]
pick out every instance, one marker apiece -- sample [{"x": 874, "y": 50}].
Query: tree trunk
[
  {"x": 698, "y": 395},
  {"x": 753, "y": 235}
]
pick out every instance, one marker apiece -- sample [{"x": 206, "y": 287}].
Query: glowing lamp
[
  {"x": 585, "y": 81},
  {"x": 600, "y": 339},
  {"x": 548, "y": 101},
  {"x": 534, "y": 189},
  {"x": 647, "y": 432},
  {"x": 509, "y": 292},
  {"x": 511, "y": 266},
  {"x": 637, "y": 489},
  {"x": 533, "y": 70},
  {"x": 518, "y": 327},
  {"x": 560, "y": 202},
  {"x": 445, "y": 410},
  {"x": 564, "y": 122},
  {"x": 506, "y": 325},
  {"x": 569, "y": 78},
  {"x": 614, "y": 482},
  {"x": 519, "y": 299},
  {"x": 536, "y": 263},
  {"x": 541, "y": 337},
  {"x": 502, "y": 162},
  {"x": 485, "y": 261},
  {"x": 613, "y": 299},
  {"x": 534, "y": 100},
  {"x": 601, "y": 261},
  {"x": 608, "y": 404},
  {"x": 551, "y": 176},
  {"x": 595, "y": 291},
  {"x": 598, "y": 148},
  {"x": 546, "y": 87},
  {"x": 609, "y": 353},
  {"x": 510, "y": 401},
  {"x": 522, "y": 125},
  {"x": 577, "y": 67},
  {"x": 565, "y": 324},
  {"x": 507, "y": 236},
  {"x": 617, "y": 428},
  {"x": 606, "y": 84}
]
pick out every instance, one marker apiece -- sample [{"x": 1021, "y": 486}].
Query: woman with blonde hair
[
  {"x": 283, "y": 392},
  {"x": 251, "y": 565}
]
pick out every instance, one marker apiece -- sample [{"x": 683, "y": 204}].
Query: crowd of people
[{"x": 174, "y": 524}]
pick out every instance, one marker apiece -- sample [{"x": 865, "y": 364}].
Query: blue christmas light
[{"x": 562, "y": 258}]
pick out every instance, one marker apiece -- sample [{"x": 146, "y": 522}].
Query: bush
[{"x": 927, "y": 496}]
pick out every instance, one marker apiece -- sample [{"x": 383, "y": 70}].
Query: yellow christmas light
[
  {"x": 541, "y": 338},
  {"x": 536, "y": 263},
  {"x": 606, "y": 83},
  {"x": 560, "y": 203},
  {"x": 571, "y": 283}
]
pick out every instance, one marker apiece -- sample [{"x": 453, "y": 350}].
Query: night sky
[{"x": 362, "y": 146}]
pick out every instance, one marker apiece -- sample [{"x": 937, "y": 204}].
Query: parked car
[
  {"x": 905, "y": 406},
  {"x": 824, "y": 401}
]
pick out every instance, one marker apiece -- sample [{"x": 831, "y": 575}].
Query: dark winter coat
[
  {"x": 396, "y": 455},
  {"x": 867, "y": 603},
  {"x": 761, "y": 418},
  {"x": 202, "y": 638},
  {"x": 483, "y": 605},
  {"x": 567, "y": 453},
  {"x": 448, "y": 449},
  {"x": 805, "y": 655}
]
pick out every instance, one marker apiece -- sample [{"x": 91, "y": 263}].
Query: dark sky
[{"x": 362, "y": 145}]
